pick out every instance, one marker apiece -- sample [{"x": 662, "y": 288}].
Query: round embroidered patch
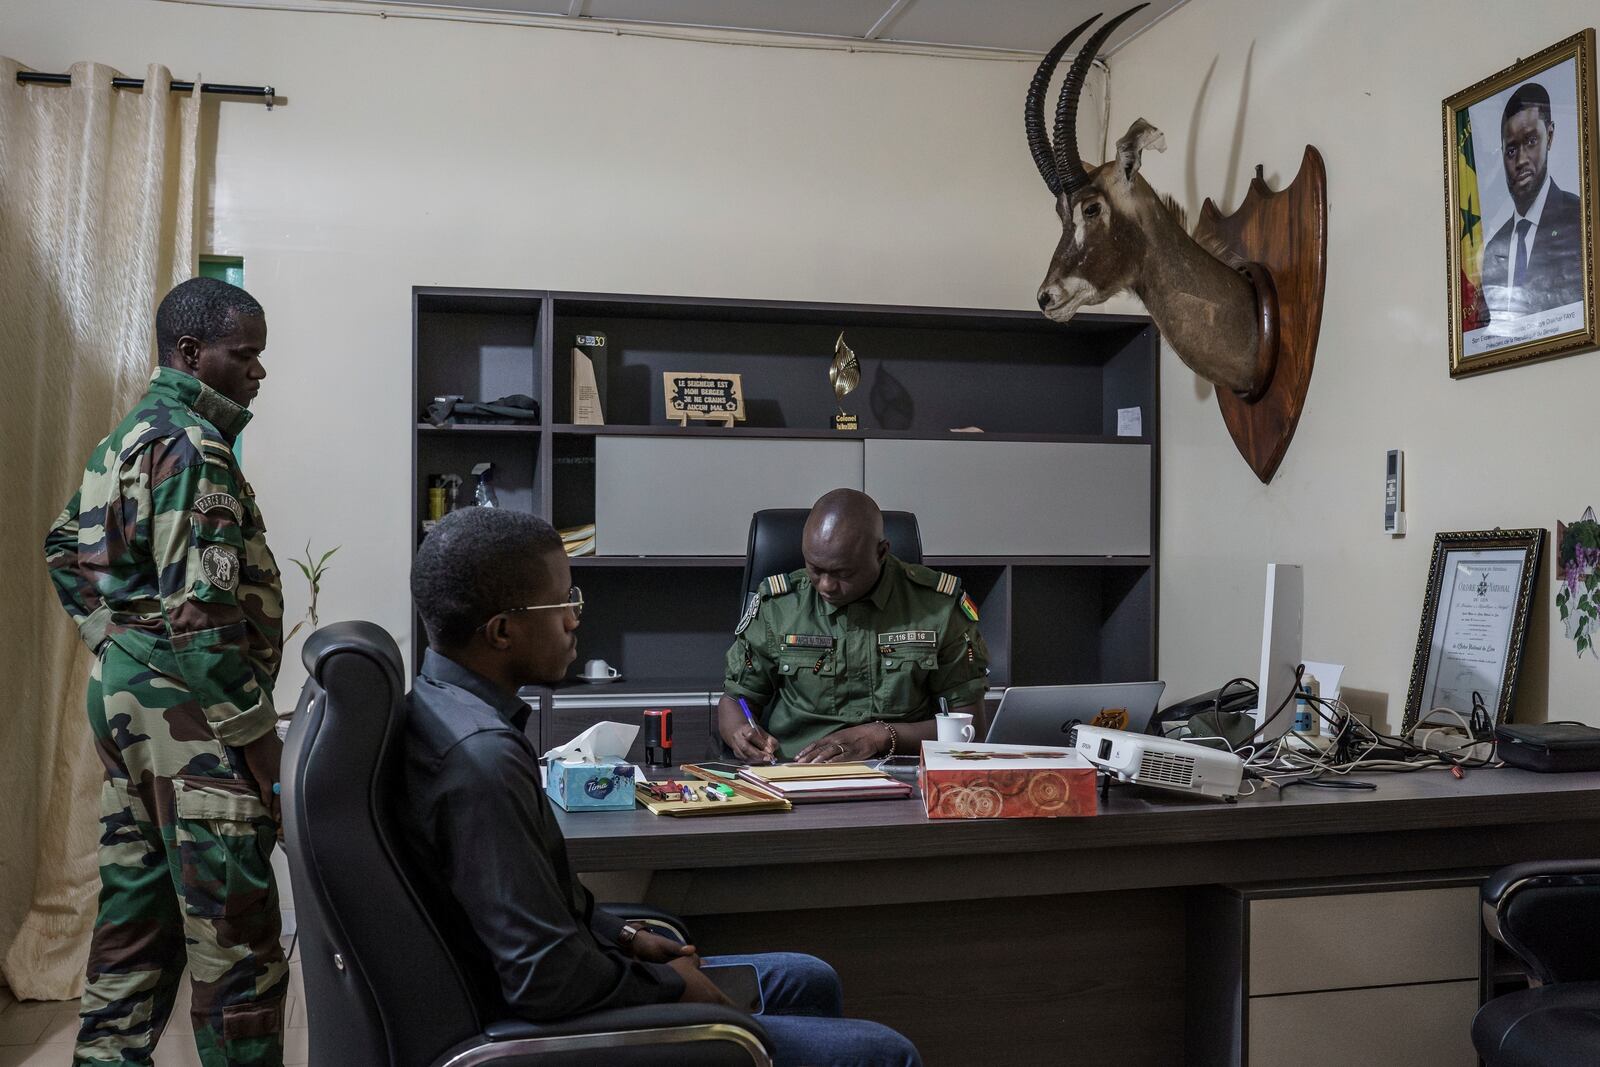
[{"x": 221, "y": 567}]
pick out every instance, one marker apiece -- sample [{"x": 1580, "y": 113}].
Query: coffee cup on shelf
[{"x": 598, "y": 670}]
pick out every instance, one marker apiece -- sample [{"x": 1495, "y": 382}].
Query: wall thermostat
[{"x": 1394, "y": 518}]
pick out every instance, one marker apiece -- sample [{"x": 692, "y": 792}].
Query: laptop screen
[{"x": 1046, "y": 714}]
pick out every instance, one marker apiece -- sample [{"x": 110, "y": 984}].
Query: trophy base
[{"x": 845, "y": 422}]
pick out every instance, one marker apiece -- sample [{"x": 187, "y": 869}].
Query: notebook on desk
[
  {"x": 811, "y": 783},
  {"x": 1046, "y": 714}
]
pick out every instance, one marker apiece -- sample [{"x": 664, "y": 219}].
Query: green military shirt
[
  {"x": 816, "y": 667},
  {"x": 163, "y": 551}
]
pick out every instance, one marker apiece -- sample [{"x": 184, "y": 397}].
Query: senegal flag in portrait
[{"x": 1474, "y": 312}]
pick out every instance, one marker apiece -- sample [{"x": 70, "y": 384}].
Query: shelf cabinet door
[
  {"x": 1009, "y": 498},
  {"x": 662, "y": 496}
]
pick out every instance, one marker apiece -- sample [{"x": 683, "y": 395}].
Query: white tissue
[{"x": 604, "y": 742}]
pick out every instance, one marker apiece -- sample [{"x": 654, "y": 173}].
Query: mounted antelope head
[{"x": 1216, "y": 311}]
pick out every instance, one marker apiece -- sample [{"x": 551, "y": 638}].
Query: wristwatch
[{"x": 626, "y": 935}]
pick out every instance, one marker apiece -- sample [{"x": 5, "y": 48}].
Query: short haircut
[
  {"x": 476, "y": 563},
  {"x": 203, "y": 308},
  {"x": 1528, "y": 94}
]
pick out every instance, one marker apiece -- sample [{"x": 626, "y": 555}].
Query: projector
[{"x": 1155, "y": 761}]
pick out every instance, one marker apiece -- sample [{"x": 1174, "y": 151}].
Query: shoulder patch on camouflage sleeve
[
  {"x": 220, "y": 502},
  {"x": 220, "y": 565}
]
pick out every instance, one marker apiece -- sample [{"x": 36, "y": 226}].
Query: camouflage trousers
[{"x": 185, "y": 878}]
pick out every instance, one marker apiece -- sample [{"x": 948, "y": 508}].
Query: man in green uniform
[
  {"x": 161, "y": 559},
  {"x": 846, "y": 659}
]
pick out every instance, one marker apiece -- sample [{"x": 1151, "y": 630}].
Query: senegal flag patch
[{"x": 968, "y": 608}]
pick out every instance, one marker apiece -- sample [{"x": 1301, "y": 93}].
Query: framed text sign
[
  {"x": 693, "y": 395},
  {"x": 1474, "y": 623}
]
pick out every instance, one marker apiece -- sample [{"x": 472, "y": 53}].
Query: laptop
[{"x": 1046, "y": 714}]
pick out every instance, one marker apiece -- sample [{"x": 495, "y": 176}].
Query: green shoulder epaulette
[
  {"x": 939, "y": 581},
  {"x": 777, "y": 585}
]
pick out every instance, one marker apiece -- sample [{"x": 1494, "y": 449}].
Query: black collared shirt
[{"x": 494, "y": 864}]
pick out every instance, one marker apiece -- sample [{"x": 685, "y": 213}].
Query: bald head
[{"x": 843, "y": 545}]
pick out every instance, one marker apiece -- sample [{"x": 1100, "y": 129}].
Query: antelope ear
[{"x": 1140, "y": 135}]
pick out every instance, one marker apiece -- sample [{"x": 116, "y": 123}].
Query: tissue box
[
  {"x": 590, "y": 785},
  {"x": 973, "y": 781}
]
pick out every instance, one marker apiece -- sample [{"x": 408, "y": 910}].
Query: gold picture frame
[
  {"x": 1521, "y": 211},
  {"x": 1481, "y": 587}
]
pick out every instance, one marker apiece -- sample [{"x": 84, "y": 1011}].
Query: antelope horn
[
  {"x": 1033, "y": 109},
  {"x": 1069, "y": 164}
]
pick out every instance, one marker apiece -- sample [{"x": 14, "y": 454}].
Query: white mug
[
  {"x": 599, "y": 668},
  {"x": 954, "y": 726}
]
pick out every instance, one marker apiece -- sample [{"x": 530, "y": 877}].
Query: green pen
[{"x": 726, "y": 791}]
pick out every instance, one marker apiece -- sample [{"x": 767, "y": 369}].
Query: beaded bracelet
[{"x": 894, "y": 738}]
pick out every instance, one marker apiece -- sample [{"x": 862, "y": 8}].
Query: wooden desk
[{"x": 1055, "y": 940}]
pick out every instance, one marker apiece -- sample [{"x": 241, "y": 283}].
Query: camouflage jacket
[
  {"x": 815, "y": 668},
  {"x": 162, "y": 550}
]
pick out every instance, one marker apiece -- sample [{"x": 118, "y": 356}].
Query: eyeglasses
[{"x": 574, "y": 601}]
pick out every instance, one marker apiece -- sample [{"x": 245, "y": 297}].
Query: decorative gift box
[
  {"x": 590, "y": 786},
  {"x": 975, "y": 781}
]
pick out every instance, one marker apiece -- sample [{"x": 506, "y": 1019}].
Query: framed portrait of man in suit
[{"x": 1520, "y": 207}]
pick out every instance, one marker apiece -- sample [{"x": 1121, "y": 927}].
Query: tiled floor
[{"x": 40, "y": 1033}]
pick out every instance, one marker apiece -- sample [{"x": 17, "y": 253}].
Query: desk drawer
[
  {"x": 1417, "y": 1026},
  {"x": 1347, "y": 940}
]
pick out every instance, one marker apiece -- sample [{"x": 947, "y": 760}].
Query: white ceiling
[{"x": 1011, "y": 25}]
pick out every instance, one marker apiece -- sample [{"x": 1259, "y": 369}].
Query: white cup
[
  {"x": 954, "y": 726},
  {"x": 599, "y": 670}
]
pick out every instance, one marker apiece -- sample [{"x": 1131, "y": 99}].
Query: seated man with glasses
[{"x": 495, "y": 592}]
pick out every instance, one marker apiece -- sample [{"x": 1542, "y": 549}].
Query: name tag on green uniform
[
  {"x": 909, "y": 639},
  {"x": 807, "y": 641}
]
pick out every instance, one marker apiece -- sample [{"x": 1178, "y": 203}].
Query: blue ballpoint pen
[{"x": 751, "y": 719}]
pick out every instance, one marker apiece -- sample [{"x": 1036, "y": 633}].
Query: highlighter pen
[
  {"x": 712, "y": 793},
  {"x": 726, "y": 791},
  {"x": 686, "y": 793}
]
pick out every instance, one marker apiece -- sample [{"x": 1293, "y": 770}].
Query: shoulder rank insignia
[
  {"x": 777, "y": 585},
  {"x": 947, "y": 584},
  {"x": 968, "y": 608},
  {"x": 749, "y": 615},
  {"x": 216, "y": 452}
]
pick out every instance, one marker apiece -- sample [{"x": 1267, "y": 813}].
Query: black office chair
[
  {"x": 774, "y": 545},
  {"x": 382, "y": 986},
  {"x": 1548, "y": 914}
]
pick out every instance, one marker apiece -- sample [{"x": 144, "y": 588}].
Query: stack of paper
[
  {"x": 811, "y": 783},
  {"x": 578, "y": 540}
]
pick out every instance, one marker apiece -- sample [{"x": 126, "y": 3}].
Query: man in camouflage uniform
[
  {"x": 845, "y": 659},
  {"x": 160, "y": 557}
]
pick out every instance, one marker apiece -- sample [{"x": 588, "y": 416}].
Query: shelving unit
[{"x": 1050, "y": 518}]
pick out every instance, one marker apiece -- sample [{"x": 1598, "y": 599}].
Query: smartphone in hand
[{"x": 739, "y": 983}]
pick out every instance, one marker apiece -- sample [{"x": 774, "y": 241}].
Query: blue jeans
[{"x": 802, "y": 1009}]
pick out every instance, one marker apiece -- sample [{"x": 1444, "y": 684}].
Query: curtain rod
[{"x": 266, "y": 92}]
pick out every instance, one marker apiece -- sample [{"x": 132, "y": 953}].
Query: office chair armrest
[
  {"x": 724, "y": 1037},
  {"x": 662, "y": 922},
  {"x": 1548, "y": 913}
]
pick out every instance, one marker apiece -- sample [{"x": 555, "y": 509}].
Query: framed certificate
[{"x": 1474, "y": 623}]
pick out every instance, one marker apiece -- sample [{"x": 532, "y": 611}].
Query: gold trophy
[{"x": 844, "y": 374}]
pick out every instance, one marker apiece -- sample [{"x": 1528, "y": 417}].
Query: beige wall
[
  {"x": 439, "y": 153},
  {"x": 1237, "y": 82}
]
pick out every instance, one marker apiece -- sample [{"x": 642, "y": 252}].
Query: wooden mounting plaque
[
  {"x": 691, "y": 395},
  {"x": 1287, "y": 233}
]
